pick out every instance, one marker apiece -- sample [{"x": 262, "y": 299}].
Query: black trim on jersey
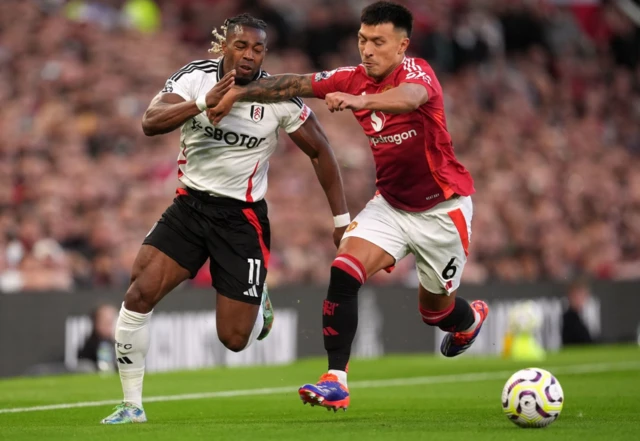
[
  {"x": 295, "y": 100},
  {"x": 207, "y": 66}
]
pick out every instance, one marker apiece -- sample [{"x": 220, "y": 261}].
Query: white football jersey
[{"x": 230, "y": 159}]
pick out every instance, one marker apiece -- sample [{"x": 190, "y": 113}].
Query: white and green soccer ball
[{"x": 532, "y": 398}]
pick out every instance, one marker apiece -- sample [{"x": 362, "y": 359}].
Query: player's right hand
[{"x": 220, "y": 89}]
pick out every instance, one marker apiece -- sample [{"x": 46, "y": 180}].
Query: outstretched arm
[
  {"x": 265, "y": 90},
  {"x": 311, "y": 139},
  {"x": 275, "y": 89}
]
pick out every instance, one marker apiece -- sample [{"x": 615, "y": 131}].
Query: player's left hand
[
  {"x": 338, "y": 101},
  {"x": 337, "y": 235},
  {"x": 223, "y": 108}
]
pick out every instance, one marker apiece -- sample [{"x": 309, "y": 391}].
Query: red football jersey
[{"x": 416, "y": 168}]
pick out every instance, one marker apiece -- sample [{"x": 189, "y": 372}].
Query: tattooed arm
[
  {"x": 275, "y": 89},
  {"x": 265, "y": 90}
]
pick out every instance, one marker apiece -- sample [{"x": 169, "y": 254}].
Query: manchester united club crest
[{"x": 257, "y": 113}]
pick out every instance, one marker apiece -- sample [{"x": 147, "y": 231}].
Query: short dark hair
[
  {"x": 246, "y": 20},
  {"x": 388, "y": 12}
]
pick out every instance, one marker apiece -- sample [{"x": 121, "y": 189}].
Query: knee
[
  {"x": 137, "y": 299},
  {"x": 235, "y": 341},
  {"x": 346, "y": 267}
]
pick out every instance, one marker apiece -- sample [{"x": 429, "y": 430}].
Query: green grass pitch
[{"x": 392, "y": 398}]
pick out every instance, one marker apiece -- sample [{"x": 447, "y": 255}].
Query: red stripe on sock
[
  {"x": 433, "y": 317},
  {"x": 351, "y": 266}
]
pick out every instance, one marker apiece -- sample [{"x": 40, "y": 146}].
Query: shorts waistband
[{"x": 216, "y": 200}]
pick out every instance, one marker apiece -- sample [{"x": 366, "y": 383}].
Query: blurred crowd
[{"x": 543, "y": 104}]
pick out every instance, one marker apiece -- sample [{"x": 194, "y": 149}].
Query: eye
[
  {"x": 379, "y": 43},
  {"x": 362, "y": 41},
  {"x": 240, "y": 47}
]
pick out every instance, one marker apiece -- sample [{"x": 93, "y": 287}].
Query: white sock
[
  {"x": 257, "y": 328},
  {"x": 342, "y": 376},
  {"x": 132, "y": 345},
  {"x": 476, "y": 322}
]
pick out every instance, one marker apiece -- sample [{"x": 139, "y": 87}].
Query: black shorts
[{"x": 235, "y": 235}]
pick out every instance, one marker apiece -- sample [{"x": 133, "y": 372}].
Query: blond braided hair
[{"x": 236, "y": 23}]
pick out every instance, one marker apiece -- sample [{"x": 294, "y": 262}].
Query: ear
[
  {"x": 404, "y": 45},
  {"x": 223, "y": 45}
]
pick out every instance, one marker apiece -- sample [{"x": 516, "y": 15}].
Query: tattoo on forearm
[{"x": 278, "y": 88}]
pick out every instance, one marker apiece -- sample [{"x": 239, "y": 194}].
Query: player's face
[
  {"x": 382, "y": 48},
  {"x": 244, "y": 51}
]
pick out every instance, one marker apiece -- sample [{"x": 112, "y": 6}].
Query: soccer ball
[{"x": 532, "y": 398}]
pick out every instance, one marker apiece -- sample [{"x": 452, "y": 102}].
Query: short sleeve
[
  {"x": 418, "y": 71},
  {"x": 337, "y": 80},
  {"x": 292, "y": 114},
  {"x": 186, "y": 81}
]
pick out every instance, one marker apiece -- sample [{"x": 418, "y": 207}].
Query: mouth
[
  {"x": 244, "y": 69},
  {"x": 368, "y": 64}
]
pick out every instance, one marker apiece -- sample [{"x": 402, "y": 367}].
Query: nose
[
  {"x": 367, "y": 50},
  {"x": 248, "y": 54}
]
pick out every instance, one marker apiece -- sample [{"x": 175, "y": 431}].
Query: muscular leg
[
  {"x": 374, "y": 241},
  {"x": 154, "y": 274},
  {"x": 357, "y": 260},
  {"x": 440, "y": 243},
  {"x": 237, "y": 323},
  {"x": 462, "y": 321},
  {"x": 449, "y": 313},
  {"x": 371, "y": 256}
]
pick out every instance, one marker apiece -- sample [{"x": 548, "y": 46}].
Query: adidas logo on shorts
[{"x": 251, "y": 292}]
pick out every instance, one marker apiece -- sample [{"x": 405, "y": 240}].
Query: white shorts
[{"x": 438, "y": 238}]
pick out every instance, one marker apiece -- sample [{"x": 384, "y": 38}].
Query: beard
[{"x": 243, "y": 81}]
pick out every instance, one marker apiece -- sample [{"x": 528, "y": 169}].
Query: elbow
[
  {"x": 148, "y": 127},
  {"x": 412, "y": 105}
]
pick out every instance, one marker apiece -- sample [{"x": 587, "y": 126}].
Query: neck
[
  {"x": 384, "y": 75},
  {"x": 225, "y": 68}
]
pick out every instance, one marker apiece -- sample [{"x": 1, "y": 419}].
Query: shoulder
[
  {"x": 417, "y": 70},
  {"x": 415, "y": 66},
  {"x": 339, "y": 72},
  {"x": 416, "y": 63},
  {"x": 196, "y": 67}
]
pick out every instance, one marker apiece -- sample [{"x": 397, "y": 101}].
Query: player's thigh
[
  {"x": 239, "y": 248},
  {"x": 440, "y": 243},
  {"x": 376, "y": 237},
  {"x": 169, "y": 255}
]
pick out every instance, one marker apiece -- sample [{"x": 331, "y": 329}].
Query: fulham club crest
[{"x": 257, "y": 113}]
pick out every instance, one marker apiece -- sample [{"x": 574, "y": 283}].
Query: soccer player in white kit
[{"x": 219, "y": 212}]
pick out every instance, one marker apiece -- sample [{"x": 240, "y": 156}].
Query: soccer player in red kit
[{"x": 422, "y": 206}]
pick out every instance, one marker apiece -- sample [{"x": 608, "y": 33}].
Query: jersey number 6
[{"x": 450, "y": 270}]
